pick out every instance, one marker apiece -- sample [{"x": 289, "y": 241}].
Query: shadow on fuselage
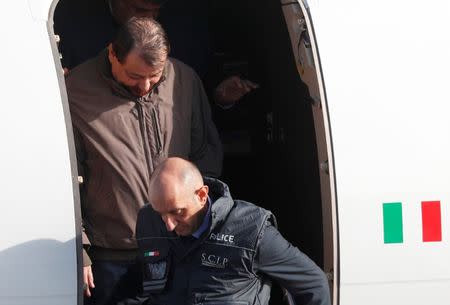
[{"x": 39, "y": 272}]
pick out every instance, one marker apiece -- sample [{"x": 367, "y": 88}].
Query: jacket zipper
[
  {"x": 157, "y": 132},
  {"x": 143, "y": 128}
]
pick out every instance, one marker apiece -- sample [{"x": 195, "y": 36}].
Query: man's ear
[
  {"x": 203, "y": 194},
  {"x": 111, "y": 54}
]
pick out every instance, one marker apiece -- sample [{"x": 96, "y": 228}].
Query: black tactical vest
[{"x": 217, "y": 269}]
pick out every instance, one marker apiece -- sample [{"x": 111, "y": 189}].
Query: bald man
[
  {"x": 198, "y": 245},
  {"x": 171, "y": 196}
]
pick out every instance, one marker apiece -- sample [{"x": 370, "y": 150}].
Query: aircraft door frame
[{"x": 304, "y": 46}]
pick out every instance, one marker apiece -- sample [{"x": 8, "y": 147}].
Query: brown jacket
[{"x": 120, "y": 139}]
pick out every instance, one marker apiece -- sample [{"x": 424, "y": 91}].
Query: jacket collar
[{"x": 222, "y": 203}]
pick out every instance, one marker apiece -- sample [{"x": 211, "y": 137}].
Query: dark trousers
[{"x": 116, "y": 283}]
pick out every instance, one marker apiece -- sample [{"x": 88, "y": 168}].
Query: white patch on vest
[
  {"x": 215, "y": 261},
  {"x": 222, "y": 237}
]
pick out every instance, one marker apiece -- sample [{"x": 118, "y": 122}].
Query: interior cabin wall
[{"x": 278, "y": 169}]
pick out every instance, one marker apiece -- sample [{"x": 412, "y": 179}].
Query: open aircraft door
[
  {"x": 378, "y": 77},
  {"x": 39, "y": 207}
]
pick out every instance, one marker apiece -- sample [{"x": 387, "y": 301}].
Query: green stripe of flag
[{"x": 393, "y": 222}]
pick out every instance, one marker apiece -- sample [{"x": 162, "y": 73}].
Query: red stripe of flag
[{"x": 431, "y": 221}]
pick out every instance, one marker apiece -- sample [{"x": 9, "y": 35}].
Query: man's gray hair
[{"x": 144, "y": 35}]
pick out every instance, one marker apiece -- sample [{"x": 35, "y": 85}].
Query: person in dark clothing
[{"x": 199, "y": 246}]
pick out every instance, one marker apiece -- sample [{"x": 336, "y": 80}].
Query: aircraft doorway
[
  {"x": 273, "y": 137},
  {"x": 271, "y": 153}
]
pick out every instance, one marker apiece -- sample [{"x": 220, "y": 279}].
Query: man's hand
[
  {"x": 232, "y": 90},
  {"x": 88, "y": 280}
]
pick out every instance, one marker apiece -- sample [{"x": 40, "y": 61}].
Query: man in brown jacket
[{"x": 132, "y": 107}]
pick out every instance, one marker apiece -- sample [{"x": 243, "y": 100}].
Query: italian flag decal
[
  {"x": 393, "y": 222},
  {"x": 151, "y": 253}
]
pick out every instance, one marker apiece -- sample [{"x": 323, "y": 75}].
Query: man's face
[
  {"x": 123, "y": 10},
  {"x": 184, "y": 211},
  {"x": 138, "y": 77}
]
